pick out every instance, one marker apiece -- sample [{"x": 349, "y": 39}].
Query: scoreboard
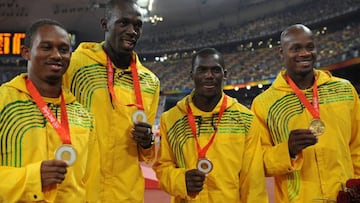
[{"x": 10, "y": 43}]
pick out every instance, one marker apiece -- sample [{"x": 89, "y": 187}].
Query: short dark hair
[
  {"x": 207, "y": 51},
  {"x": 36, "y": 25},
  {"x": 112, "y": 3}
]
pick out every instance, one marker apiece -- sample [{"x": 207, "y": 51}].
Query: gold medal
[
  {"x": 317, "y": 127},
  {"x": 204, "y": 165},
  {"x": 139, "y": 115},
  {"x": 66, "y": 153}
]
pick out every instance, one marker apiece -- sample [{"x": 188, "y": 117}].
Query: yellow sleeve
[
  {"x": 171, "y": 178},
  {"x": 355, "y": 135},
  {"x": 22, "y": 184},
  {"x": 252, "y": 177},
  {"x": 92, "y": 175},
  {"x": 148, "y": 155},
  {"x": 277, "y": 160}
]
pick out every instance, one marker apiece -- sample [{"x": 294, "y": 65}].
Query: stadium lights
[
  {"x": 145, "y": 7},
  {"x": 155, "y": 19}
]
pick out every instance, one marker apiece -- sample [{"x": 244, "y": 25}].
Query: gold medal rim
[
  {"x": 208, "y": 162},
  {"x": 311, "y": 126},
  {"x": 73, "y": 153}
]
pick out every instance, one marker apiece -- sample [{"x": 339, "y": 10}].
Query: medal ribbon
[
  {"x": 314, "y": 109},
  {"x": 191, "y": 119},
  {"x": 61, "y": 128},
  {"x": 135, "y": 76}
]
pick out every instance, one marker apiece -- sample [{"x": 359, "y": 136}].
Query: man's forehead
[
  {"x": 208, "y": 58},
  {"x": 297, "y": 36}
]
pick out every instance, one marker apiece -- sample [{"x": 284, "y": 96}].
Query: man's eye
[
  {"x": 45, "y": 47},
  {"x": 122, "y": 22},
  {"x": 216, "y": 70},
  {"x": 138, "y": 25},
  {"x": 311, "y": 48},
  {"x": 296, "y": 49},
  {"x": 64, "y": 50}
]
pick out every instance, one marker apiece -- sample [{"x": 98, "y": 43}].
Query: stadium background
[{"x": 246, "y": 31}]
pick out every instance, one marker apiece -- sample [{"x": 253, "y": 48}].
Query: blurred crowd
[
  {"x": 308, "y": 12},
  {"x": 256, "y": 64},
  {"x": 250, "y": 59}
]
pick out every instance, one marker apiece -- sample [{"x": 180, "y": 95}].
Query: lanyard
[
  {"x": 135, "y": 76},
  {"x": 191, "y": 119},
  {"x": 61, "y": 128},
  {"x": 314, "y": 109}
]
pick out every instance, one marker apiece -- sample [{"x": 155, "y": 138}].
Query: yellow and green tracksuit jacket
[
  {"x": 121, "y": 176},
  {"x": 27, "y": 139},
  {"x": 237, "y": 175},
  {"x": 319, "y": 170}
]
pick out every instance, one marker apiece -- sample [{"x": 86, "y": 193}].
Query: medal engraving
[
  {"x": 139, "y": 115},
  {"x": 317, "y": 127},
  {"x": 204, "y": 165},
  {"x": 66, "y": 153}
]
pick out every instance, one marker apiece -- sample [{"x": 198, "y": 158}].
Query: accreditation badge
[
  {"x": 317, "y": 127},
  {"x": 66, "y": 153},
  {"x": 204, "y": 165},
  {"x": 139, "y": 115}
]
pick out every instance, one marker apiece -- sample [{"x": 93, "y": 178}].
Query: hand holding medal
[
  {"x": 194, "y": 181},
  {"x": 143, "y": 135}
]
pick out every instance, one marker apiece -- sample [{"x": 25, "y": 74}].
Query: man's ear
[
  {"x": 25, "y": 52},
  {"x": 225, "y": 73},
  {"x": 104, "y": 24},
  {"x": 191, "y": 74},
  {"x": 281, "y": 52}
]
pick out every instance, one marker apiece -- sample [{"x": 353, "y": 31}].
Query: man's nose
[
  {"x": 131, "y": 30},
  {"x": 304, "y": 52},
  {"x": 209, "y": 73},
  {"x": 55, "y": 53}
]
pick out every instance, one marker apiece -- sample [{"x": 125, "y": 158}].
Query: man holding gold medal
[
  {"x": 210, "y": 145},
  {"x": 48, "y": 148},
  {"x": 311, "y": 121}
]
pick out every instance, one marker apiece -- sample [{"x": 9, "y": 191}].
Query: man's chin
[
  {"x": 128, "y": 48},
  {"x": 54, "y": 79},
  {"x": 305, "y": 69}
]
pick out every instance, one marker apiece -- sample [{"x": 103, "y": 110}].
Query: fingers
[
  {"x": 194, "y": 181},
  {"x": 142, "y": 133},
  {"x": 52, "y": 172},
  {"x": 300, "y": 139},
  {"x": 51, "y": 164},
  {"x": 53, "y": 178}
]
